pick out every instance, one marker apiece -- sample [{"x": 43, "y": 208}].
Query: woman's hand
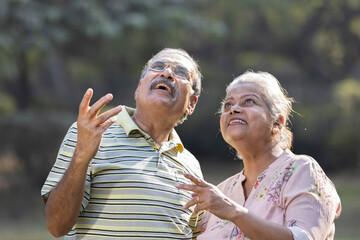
[{"x": 208, "y": 197}]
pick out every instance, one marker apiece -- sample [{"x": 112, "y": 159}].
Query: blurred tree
[
  {"x": 50, "y": 51},
  {"x": 322, "y": 37},
  {"x": 7, "y": 104},
  {"x": 331, "y": 130},
  {"x": 344, "y": 138},
  {"x": 43, "y": 35},
  {"x": 49, "y": 48},
  {"x": 308, "y": 46}
]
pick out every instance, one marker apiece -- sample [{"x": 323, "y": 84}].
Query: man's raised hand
[{"x": 91, "y": 126}]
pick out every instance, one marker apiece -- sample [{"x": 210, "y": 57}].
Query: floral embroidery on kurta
[{"x": 290, "y": 181}]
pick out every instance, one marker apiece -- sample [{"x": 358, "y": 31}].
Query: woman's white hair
[{"x": 274, "y": 95}]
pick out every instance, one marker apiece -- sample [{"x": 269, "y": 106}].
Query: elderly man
[{"x": 114, "y": 177}]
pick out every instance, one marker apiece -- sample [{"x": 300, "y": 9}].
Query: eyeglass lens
[{"x": 178, "y": 70}]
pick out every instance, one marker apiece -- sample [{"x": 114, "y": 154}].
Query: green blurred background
[{"x": 52, "y": 51}]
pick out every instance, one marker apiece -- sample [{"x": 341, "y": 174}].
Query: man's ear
[
  {"x": 191, "y": 107},
  {"x": 137, "y": 89}
]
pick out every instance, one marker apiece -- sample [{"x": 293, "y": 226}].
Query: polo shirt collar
[{"x": 124, "y": 119}]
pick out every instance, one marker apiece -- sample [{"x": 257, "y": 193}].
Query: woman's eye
[
  {"x": 227, "y": 106},
  {"x": 249, "y": 101}
]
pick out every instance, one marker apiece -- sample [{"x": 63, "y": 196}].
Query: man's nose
[{"x": 168, "y": 73}]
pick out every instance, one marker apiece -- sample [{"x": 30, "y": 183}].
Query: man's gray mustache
[{"x": 171, "y": 84}]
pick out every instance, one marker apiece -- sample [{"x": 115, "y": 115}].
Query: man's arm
[{"x": 63, "y": 204}]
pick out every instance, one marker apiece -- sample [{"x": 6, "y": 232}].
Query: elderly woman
[{"x": 278, "y": 194}]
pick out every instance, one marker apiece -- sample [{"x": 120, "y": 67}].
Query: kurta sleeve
[
  {"x": 62, "y": 162},
  {"x": 310, "y": 200}
]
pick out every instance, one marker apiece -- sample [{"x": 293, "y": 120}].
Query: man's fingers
[
  {"x": 96, "y": 107},
  {"x": 105, "y": 120},
  {"x": 84, "y": 104},
  {"x": 107, "y": 124},
  {"x": 108, "y": 114}
]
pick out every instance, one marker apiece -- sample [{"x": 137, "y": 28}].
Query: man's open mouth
[{"x": 164, "y": 87}]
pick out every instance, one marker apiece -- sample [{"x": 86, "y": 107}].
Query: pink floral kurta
[{"x": 293, "y": 191}]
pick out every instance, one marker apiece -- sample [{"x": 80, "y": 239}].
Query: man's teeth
[
  {"x": 237, "y": 121},
  {"x": 163, "y": 86}
]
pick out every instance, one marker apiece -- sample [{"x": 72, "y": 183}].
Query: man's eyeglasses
[{"x": 178, "y": 70}]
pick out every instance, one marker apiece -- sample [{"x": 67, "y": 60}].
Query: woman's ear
[{"x": 279, "y": 124}]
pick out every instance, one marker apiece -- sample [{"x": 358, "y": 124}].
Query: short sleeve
[
  {"x": 62, "y": 162},
  {"x": 311, "y": 201},
  {"x": 299, "y": 233}
]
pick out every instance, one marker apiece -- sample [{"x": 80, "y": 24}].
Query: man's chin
[
  {"x": 162, "y": 95},
  {"x": 162, "y": 100}
]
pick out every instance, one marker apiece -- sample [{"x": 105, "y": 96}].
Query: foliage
[
  {"x": 333, "y": 126},
  {"x": 51, "y": 51},
  {"x": 347, "y": 95},
  {"x": 38, "y": 37}
]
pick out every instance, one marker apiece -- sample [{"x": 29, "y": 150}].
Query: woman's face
[{"x": 246, "y": 117}]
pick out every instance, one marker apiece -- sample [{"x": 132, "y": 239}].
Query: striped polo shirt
[{"x": 129, "y": 189}]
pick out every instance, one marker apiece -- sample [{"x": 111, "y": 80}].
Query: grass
[
  {"x": 348, "y": 187},
  {"x": 29, "y": 229},
  {"x": 16, "y": 224}
]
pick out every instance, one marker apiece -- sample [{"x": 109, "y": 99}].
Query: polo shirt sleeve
[
  {"x": 310, "y": 201},
  {"x": 62, "y": 162}
]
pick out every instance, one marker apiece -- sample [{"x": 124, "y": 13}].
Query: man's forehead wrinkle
[{"x": 182, "y": 60}]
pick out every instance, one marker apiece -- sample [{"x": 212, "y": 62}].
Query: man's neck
[{"x": 159, "y": 129}]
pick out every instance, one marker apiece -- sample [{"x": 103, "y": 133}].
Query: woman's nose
[{"x": 235, "y": 109}]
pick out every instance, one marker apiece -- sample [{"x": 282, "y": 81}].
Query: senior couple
[{"x": 125, "y": 174}]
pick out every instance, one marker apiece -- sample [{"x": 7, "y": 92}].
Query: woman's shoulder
[
  {"x": 298, "y": 161},
  {"x": 309, "y": 179},
  {"x": 299, "y": 158},
  {"x": 307, "y": 170},
  {"x": 298, "y": 171}
]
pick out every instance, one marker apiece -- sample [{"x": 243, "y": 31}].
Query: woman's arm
[
  {"x": 255, "y": 227},
  {"x": 208, "y": 197}
]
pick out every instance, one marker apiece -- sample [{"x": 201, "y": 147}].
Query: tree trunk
[{"x": 22, "y": 91}]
